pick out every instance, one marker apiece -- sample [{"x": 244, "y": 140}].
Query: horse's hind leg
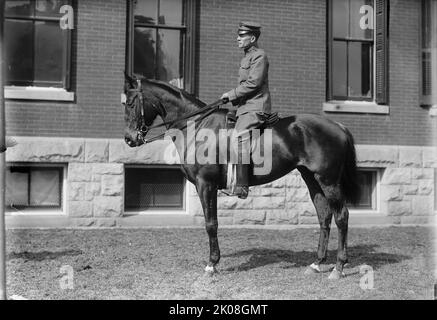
[
  {"x": 208, "y": 197},
  {"x": 336, "y": 203},
  {"x": 324, "y": 214},
  {"x": 341, "y": 215}
]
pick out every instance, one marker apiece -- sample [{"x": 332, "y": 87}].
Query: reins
[
  {"x": 143, "y": 129},
  {"x": 205, "y": 111}
]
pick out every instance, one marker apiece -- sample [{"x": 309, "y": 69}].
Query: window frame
[
  {"x": 190, "y": 36},
  {"x": 331, "y": 39},
  {"x": 378, "y": 104},
  {"x": 154, "y": 211},
  {"x": 428, "y": 100},
  {"x": 12, "y": 89},
  {"x": 42, "y": 210}
]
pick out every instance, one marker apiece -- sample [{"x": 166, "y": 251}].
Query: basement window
[
  {"x": 367, "y": 179},
  {"x": 34, "y": 187},
  {"x": 154, "y": 189}
]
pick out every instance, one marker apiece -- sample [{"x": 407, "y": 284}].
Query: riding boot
[{"x": 242, "y": 185}]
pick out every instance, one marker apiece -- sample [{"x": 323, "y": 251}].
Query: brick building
[{"x": 369, "y": 64}]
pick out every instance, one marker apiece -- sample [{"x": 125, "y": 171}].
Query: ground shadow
[
  {"x": 358, "y": 255},
  {"x": 42, "y": 255}
]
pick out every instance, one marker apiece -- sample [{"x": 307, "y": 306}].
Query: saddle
[{"x": 267, "y": 120}]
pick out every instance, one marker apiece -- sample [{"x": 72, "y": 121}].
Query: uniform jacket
[{"x": 252, "y": 94}]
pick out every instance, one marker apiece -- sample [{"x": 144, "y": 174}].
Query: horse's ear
[{"x": 129, "y": 81}]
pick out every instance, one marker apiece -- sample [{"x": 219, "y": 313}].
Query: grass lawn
[{"x": 255, "y": 264}]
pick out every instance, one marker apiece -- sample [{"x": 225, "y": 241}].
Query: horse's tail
[{"x": 349, "y": 177}]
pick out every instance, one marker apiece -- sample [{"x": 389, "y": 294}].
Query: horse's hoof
[
  {"x": 336, "y": 275},
  {"x": 312, "y": 269},
  {"x": 210, "y": 270}
]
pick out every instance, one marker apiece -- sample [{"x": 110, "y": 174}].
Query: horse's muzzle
[{"x": 133, "y": 142}]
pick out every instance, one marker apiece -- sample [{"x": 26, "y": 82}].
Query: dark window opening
[
  {"x": 367, "y": 180},
  {"x": 36, "y": 48},
  {"x": 154, "y": 189},
  {"x": 358, "y": 50},
  {"x": 161, "y": 41},
  {"x": 429, "y": 52},
  {"x": 34, "y": 187}
]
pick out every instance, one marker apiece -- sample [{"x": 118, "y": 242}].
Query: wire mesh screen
[{"x": 154, "y": 188}]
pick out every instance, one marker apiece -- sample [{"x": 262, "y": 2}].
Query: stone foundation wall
[{"x": 95, "y": 184}]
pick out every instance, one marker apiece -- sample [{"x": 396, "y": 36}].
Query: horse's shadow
[
  {"x": 42, "y": 255},
  {"x": 357, "y": 256}
]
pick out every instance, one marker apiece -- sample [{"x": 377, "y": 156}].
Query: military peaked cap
[{"x": 249, "y": 27}]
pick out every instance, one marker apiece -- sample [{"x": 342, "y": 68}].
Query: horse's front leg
[{"x": 208, "y": 197}]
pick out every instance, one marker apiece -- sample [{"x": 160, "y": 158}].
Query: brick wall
[
  {"x": 98, "y": 61},
  {"x": 294, "y": 36}
]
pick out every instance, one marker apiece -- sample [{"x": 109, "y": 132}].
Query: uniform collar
[{"x": 250, "y": 49}]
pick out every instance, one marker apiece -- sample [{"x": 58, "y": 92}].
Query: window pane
[
  {"x": 340, "y": 18},
  {"x": 169, "y": 59},
  {"x": 360, "y": 69},
  {"x": 19, "y": 8},
  {"x": 49, "y": 8},
  {"x": 19, "y": 51},
  {"x": 426, "y": 24},
  {"x": 17, "y": 188},
  {"x": 49, "y": 52},
  {"x": 339, "y": 68},
  {"x": 144, "y": 52},
  {"x": 145, "y": 11},
  {"x": 426, "y": 73},
  {"x": 171, "y": 12},
  {"x": 45, "y": 188},
  {"x": 360, "y": 30}
]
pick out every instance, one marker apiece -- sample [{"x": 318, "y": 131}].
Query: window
[
  {"x": 367, "y": 180},
  {"x": 161, "y": 40},
  {"x": 357, "y": 51},
  {"x": 154, "y": 189},
  {"x": 429, "y": 52},
  {"x": 34, "y": 187},
  {"x": 37, "y": 49}
]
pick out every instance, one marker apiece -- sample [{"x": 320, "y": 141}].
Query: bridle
[
  {"x": 138, "y": 99},
  {"x": 142, "y": 128}
]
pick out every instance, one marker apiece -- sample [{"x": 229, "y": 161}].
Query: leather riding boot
[{"x": 242, "y": 185}]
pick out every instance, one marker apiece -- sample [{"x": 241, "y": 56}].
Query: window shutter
[{"x": 381, "y": 52}]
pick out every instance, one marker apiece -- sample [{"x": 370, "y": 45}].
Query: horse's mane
[{"x": 176, "y": 91}]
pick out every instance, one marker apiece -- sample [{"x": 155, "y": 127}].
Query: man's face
[{"x": 245, "y": 40}]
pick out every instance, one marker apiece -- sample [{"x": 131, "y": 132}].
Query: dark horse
[{"x": 322, "y": 150}]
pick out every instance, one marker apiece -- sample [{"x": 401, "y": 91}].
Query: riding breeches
[{"x": 242, "y": 134}]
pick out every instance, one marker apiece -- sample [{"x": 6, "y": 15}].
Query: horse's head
[{"x": 140, "y": 110}]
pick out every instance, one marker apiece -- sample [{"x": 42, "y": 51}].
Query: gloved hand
[{"x": 225, "y": 98}]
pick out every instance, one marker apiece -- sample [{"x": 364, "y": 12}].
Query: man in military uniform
[{"x": 252, "y": 96}]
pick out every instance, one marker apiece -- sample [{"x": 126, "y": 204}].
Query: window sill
[
  {"x": 33, "y": 212},
  {"x": 154, "y": 212},
  {"x": 355, "y": 107},
  {"x": 37, "y": 93}
]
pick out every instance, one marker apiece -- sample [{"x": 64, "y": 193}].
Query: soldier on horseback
[{"x": 252, "y": 96}]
